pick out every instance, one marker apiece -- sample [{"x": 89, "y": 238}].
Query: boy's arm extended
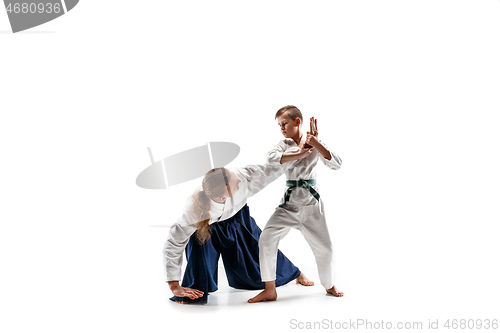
[
  {"x": 280, "y": 155},
  {"x": 300, "y": 154}
]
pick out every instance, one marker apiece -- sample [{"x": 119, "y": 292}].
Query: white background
[{"x": 405, "y": 92}]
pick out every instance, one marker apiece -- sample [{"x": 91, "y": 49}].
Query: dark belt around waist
[{"x": 304, "y": 183}]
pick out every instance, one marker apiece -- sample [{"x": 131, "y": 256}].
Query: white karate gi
[
  {"x": 253, "y": 179},
  {"x": 302, "y": 211}
]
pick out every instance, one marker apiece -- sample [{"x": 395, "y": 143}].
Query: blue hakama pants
[{"x": 237, "y": 241}]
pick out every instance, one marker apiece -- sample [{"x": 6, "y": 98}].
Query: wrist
[
  {"x": 316, "y": 144},
  {"x": 173, "y": 285}
]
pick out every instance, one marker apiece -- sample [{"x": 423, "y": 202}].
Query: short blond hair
[{"x": 291, "y": 111}]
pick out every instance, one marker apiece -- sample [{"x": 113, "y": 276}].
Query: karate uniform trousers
[
  {"x": 236, "y": 240},
  {"x": 310, "y": 221}
]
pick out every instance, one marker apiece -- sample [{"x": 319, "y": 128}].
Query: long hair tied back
[{"x": 214, "y": 186}]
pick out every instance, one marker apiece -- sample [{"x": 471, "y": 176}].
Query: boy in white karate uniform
[{"x": 301, "y": 208}]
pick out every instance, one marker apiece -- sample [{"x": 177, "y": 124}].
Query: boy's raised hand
[
  {"x": 312, "y": 136},
  {"x": 314, "y": 126},
  {"x": 313, "y": 130}
]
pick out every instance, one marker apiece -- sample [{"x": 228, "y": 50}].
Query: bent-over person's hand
[{"x": 180, "y": 291}]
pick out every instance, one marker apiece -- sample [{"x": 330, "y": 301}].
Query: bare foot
[
  {"x": 265, "y": 295},
  {"x": 303, "y": 280},
  {"x": 335, "y": 292}
]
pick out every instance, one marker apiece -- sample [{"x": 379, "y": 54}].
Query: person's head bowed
[{"x": 217, "y": 185}]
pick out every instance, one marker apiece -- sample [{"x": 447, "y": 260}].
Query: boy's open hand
[
  {"x": 312, "y": 136},
  {"x": 314, "y": 126}
]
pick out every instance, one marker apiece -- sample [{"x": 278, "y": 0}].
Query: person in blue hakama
[{"x": 216, "y": 223}]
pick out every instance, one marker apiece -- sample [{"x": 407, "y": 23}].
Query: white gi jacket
[
  {"x": 301, "y": 169},
  {"x": 253, "y": 179}
]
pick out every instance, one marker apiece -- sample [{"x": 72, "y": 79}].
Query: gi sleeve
[
  {"x": 274, "y": 155},
  {"x": 334, "y": 163},
  {"x": 177, "y": 241},
  {"x": 259, "y": 176}
]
